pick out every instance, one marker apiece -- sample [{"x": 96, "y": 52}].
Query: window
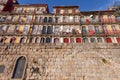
[
  {"x": 11, "y": 29},
  {"x": 85, "y": 40},
  {"x": 48, "y": 40},
  {"x": 16, "y": 29},
  {"x": 72, "y": 40},
  {"x": 9, "y": 19},
  {"x": 3, "y": 39},
  {"x": 41, "y": 19},
  {"x": 99, "y": 40},
  {"x": 49, "y": 29},
  {"x": 2, "y": 68},
  {"x": 44, "y": 30},
  {"x": 56, "y": 19},
  {"x": 34, "y": 29},
  {"x": 114, "y": 29},
  {"x": 69, "y": 10},
  {"x": 91, "y": 30},
  {"x": 37, "y": 40},
  {"x": 56, "y": 40},
  {"x": 65, "y": 19},
  {"x": 3, "y": 18},
  {"x": 16, "y": 18},
  {"x": 12, "y": 40},
  {"x": 42, "y": 40},
  {"x": 22, "y": 40},
  {"x": 61, "y": 11},
  {"x": 50, "y": 19},
  {"x": 31, "y": 40},
  {"x": 118, "y": 40},
  {"x": 19, "y": 10},
  {"x": 84, "y": 31},
  {"x": 66, "y": 40},
  {"x": 92, "y": 40},
  {"x": 28, "y": 19},
  {"x": 105, "y": 30},
  {"x": 97, "y": 30},
  {"x": 45, "y": 19},
  {"x": 57, "y": 11},
  {"x": 57, "y": 30},
  {"x": 76, "y": 18},
  {"x": 118, "y": 18},
  {"x": 109, "y": 40},
  {"x": 40, "y": 10},
  {"x": 26, "y": 29},
  {"x": 78, "y": 40},
  {"x": 1, "y": 7},
  {"x": 19, "y": 68},
  {"x": 39, "y": 29}
]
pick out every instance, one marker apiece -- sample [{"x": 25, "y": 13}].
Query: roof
[
  {"x": 28, "y": 5},
  {"x": 94, "y": 12},
  {"x": 65, "y": 6}
]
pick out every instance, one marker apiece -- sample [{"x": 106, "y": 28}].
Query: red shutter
[
  {"x": 66, "y": 40},
  {"x": 78, "y": 40},
  {"x": 91, "y": 32},
  {"x": 87, "y": 21},
  {"x": 109, "y": 40},
  {"x": 118, "y": 40}
]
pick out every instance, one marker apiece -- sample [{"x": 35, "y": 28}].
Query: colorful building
[{"x": 32, "y": 32}]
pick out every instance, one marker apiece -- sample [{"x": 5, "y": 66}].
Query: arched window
[
  {"x": 48, "y": 40},
  {"x": 42, "y": 40},
  {"x": 30, "y": 40},
  {"x": 19, "y": 68},
  {"x": 22, "y": 40},
  {"x": 92, "y": 40},
  {"x": 72, "y": 40},
  {"x": 3, "y": 39},
  {"x": 99, "y": 40},
  {"x": 78, "y": 40},
  {"x": 85, "y": 40},
  {"x": 84, "y": 31},
  {"x": 66, "y": 40},
  {"x": 56, "y": 40},
  {"x": 12, "y": 40},
  {"x": 44, "y": 29},
  {"x": 50, "y": 19},
  {"x": 97, "y": 31},
  {"x": 118, "y": 40},
  {"x": 36, "y": 40},
  {"x": 49, "y": 29},
  {"x": 45, "y": 19},
  {"x": 2, "y": 68},
  {"x": 109, "y": 40}
]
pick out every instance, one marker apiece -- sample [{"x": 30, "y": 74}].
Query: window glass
[
  {"x": 92, "y": 40},
  {"x": 85, "y": 40},
  {"x": 56, "y": 40},
  {"x": 48, "y": 40},
  {"x": 42, "y": 40},
  {"x": 99, "y": 40}
]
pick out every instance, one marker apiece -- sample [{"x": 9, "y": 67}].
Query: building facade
[{"x": 35, "y": 43}]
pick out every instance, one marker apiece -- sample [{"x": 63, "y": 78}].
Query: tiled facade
[{"x": 34, "y": 24}]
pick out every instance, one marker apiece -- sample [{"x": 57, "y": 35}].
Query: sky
[{"x": 84, "y": 5}]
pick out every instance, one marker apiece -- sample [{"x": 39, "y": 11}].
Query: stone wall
[{"x": 85, "y": 61}]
